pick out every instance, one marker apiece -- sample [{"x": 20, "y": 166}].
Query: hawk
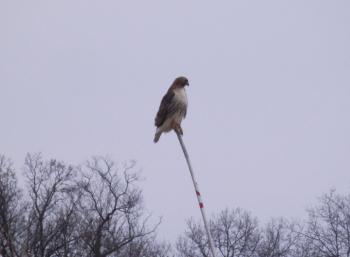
[{"x": 172, "y": 109}]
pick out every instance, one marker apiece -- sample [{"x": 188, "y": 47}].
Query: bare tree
[
  {"x": 155, "y": 249},
  {"x": 279, "y": 239},
  {"x": 11, "y": 211},
  {"x": 50, "y": 219},
  {"x": 96, "y": 210},
  {"x": 194, "y": 243},
  {"x": 305, "y": 247},
  {"x": 328, "y": 227},
  {"x": 147, "y": 247},
  {"x": 110, "y": 209},
  {"x": 93, "y": 210},
  {"x": 235, "y": 233}
]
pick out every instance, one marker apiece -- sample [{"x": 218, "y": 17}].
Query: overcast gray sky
[{"x": 268, "y": 121}]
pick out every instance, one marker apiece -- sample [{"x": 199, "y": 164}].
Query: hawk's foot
[
  {"x": 178, "y": 130},
  {"x": 181, "y": 131}
]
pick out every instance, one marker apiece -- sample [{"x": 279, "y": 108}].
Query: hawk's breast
[
  {"x": 180, "y": 104},
  {"x": 180, "y": 96}
]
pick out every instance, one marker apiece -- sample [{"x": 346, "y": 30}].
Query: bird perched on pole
[{"x": 172, "y": 109}]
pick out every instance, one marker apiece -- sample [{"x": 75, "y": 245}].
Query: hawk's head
[{"x": 181, "y": 82}]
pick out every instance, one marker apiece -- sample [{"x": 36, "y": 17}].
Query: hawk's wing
[{"x": 166, "y": 108}]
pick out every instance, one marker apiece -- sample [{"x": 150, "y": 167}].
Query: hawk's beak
[{"x": 188, "y": 84}]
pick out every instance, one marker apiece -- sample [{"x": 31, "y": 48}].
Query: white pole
[{"x": 199, "y": 198}]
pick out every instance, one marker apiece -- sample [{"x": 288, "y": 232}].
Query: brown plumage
[{"x": 172, "y": 109}]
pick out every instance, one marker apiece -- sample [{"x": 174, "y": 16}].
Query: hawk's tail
[{"x": 157, "y": 136}]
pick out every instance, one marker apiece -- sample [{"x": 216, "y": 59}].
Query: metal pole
[{"x": 199, "y": 198}]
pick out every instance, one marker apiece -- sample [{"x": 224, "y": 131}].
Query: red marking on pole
[
  {"x": 201, "y": 205},
  {"x": 197, "y": 193}
]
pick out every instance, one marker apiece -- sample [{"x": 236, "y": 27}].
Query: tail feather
[{"x": 157, "y": 136}]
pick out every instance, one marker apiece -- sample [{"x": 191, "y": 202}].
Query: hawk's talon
[
  {"x": 181, "y": 131},
  {"x": 178, "y": 130}
]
